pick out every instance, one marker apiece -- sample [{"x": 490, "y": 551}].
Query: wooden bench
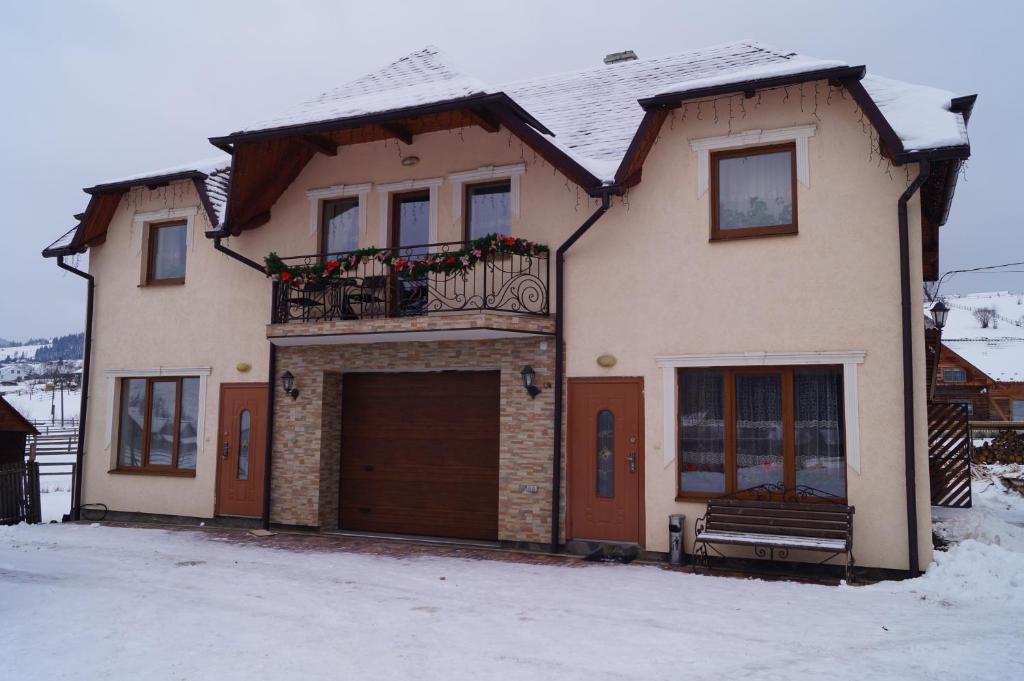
[{"x": 772, "y": 527}]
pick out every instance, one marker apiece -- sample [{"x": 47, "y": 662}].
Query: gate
[
  {"x": 19, "y": 494},
  {"x": 949, "y": 455}
]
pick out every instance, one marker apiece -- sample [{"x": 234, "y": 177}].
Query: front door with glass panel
[
  {"x": 241, "y": 449},
  {"x": 605, "y": 442}
]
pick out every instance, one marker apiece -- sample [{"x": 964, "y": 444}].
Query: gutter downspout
[
  {"x": 271, "y": 368},
  {"x": 924, "y": 169},
  {"x": 76, "y": 506},
  {"x": 556, "y": 471}
]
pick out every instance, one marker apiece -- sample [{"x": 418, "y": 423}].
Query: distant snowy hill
[{"x": 67, "y": 347}]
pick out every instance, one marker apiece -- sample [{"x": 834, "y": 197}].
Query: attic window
[
  {"x": 753, "y": 192},
  {"x": 167, "y": 247},
  {"x": 954, "y": 375}
]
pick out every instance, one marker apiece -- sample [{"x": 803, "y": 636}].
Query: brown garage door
[{"x": 420, "y": 453}]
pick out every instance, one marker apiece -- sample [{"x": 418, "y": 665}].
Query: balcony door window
[
  {"x": 488, "y": 209},
  {"x": 339, "y": 227},
  {"x": 410, "y": 222}
]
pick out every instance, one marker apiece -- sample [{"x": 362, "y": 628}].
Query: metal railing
[{"x": 503, "y": 282}]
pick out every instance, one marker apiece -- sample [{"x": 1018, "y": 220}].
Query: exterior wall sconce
[
  {"x": 529, "y": 375},
  {"x": 939, "y": 313},
  {"x": 288, "y": 384},
  {"x": 410, "y": 160}
]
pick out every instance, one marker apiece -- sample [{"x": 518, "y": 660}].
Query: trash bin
[{"x": 675, "y": 539}]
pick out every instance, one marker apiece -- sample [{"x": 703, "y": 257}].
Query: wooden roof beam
[
  {"x": 321, "y": 145},
  {"x": 484, "y": 119},
  {"x": 401, "y": 133}
]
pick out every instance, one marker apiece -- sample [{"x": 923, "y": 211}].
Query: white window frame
[
  {"x": 113, "y": 393},
  {"x": 386, "y": 190},
  {"x": 798, "y": 134},
  {"x": 339, "y": 191},
  {"x": 851, "y": 405},
  {"x": 512, "y": 172}
]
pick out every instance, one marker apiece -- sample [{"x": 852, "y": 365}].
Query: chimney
[{"x": 618, "y": 57}]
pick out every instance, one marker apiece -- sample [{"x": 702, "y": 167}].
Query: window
[
  {"x": 605, "y": 454},
  {"x": 954, "y": 375},
  {"x": 741, "y": 428},
  {"x": 1018, "y": 410},
  {"x": 753, "y": 192},
  {"x": 158, "y": 425},
  {"x": 488, "y": 209},
  {"x": 166, "y": 264},
  {"x": 339, "y": 230}
]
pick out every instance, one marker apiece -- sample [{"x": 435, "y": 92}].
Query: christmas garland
[{"x": 453, "y": 262}]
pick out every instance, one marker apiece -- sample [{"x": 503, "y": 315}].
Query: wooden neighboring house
[
  {"x": 982, "y": 366},
  {"x": 14, "y": 430},
  {"x": 555, "y": 310}
]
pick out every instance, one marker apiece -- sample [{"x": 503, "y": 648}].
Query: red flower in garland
[
  {"x": 332, "y": 265},
  {"x": 285, "y": 276},
  {"x": 451, "y": 260}
]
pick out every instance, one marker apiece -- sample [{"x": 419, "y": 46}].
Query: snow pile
[{"x": 985, "y": 560}]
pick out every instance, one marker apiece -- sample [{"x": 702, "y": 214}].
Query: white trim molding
[
  {"x": 459, "y": 180},
  {"x": 112, "y": 388},
  {"x": 338, "y": 191},
  {"x": 849, "y": 360},
  {"x": 705, "y": 145},
  {"x": 140, "y": 220},
  {"x": 387, "y": 189}
]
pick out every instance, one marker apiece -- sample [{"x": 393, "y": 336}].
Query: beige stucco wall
[
  {"x": 644, "y": 282},
  {"x": 214, "y": 320},
  {"x": 833, "y": 287}
]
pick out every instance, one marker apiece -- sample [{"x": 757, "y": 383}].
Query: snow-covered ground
[
  {"x": 90, "y": 602},
  {"x": 35, "y": 403}
]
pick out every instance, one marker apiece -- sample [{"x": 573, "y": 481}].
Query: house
[
  {"x": 981, "y": 361},
  {"x": 13, "y": 372},
  {"x": 14, "y": 429},
  {"x": 665, "y": 239}
]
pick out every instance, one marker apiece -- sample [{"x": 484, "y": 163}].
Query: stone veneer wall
[{"x": 307, "y": 431}]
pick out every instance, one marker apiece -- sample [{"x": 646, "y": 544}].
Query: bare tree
[{"x": 985, "y": 316}]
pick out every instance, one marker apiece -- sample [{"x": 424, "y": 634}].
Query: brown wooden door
[
  {"x": 241, "y": 449},
  {"x": 420, "y": 453},
  {"x": 605, "y": 471}
]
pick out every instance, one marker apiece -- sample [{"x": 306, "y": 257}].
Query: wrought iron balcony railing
[{"x": 502, "y": 282}]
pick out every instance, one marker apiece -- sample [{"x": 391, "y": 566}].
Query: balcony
[{"x": 426, "y": 290}]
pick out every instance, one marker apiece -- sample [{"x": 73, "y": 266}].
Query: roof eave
[
  {"x": 673, "y": 99},
  {"x": 482, "y": 100},
  {"x": 123, "y": 185}
]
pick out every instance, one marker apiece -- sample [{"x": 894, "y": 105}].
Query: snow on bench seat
[{"x": 773, "y": 540}]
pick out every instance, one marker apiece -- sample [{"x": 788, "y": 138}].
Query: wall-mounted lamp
[
  {"x": 939, "y": 314},
  {"x": 529, "y": 375},
  {"x": 410, "y": 160},
  {"x": 288, "y": 384}
]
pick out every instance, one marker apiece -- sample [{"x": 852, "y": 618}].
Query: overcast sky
[{"x": 97, "y": 90}]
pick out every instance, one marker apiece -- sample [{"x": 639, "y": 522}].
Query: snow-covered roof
[
  {"x": 218, "y": 178},
  {"x": 595, "y": 112},
  {"x": 919, "y": 114},
  {"x": 423, "y": 77},
  {"x": 997, "y": 350},
  {"x": 206, "y": 166}
]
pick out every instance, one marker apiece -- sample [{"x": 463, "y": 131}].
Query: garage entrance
[{"x": 419, "y": 453}]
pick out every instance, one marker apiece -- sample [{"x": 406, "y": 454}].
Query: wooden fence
[
  {"x": 19, "y": 494},
  {"x": 949, "y": 455}
]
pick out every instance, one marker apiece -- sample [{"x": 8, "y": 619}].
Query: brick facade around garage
[{"x": 307, "y": 431}]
